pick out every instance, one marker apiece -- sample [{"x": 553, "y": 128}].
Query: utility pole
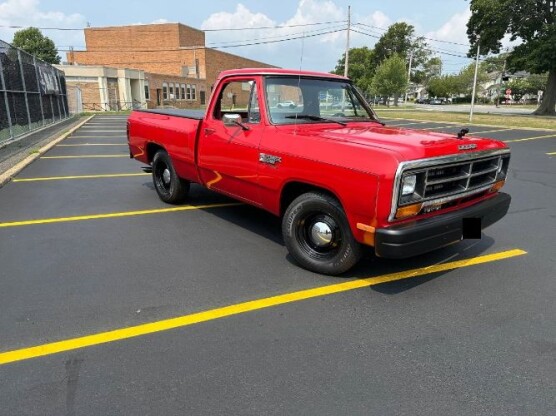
[
  {"x": 475, "y": 79},
  {"x": 409, "y": 74},
  {"x": 346, "y": 63}
]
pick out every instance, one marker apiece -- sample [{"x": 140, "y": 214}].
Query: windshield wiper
[{"x": 316, "y": 118}]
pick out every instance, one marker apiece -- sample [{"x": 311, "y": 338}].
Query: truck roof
[{"x": 277, "y": 71}]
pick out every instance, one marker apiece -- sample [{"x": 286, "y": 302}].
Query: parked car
[
  {"x": 286, "y": 104},
  {"x": 338, "y": 183},
  {"x": 422, "y": 101}
]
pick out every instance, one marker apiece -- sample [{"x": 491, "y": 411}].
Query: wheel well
[
  {"x": 152, "y": 148},
  {"x": 294, "y": 189}
]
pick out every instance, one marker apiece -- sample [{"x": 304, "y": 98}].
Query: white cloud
[
  {"x": 454, "y": 30},
  {"x": 319, "y": 52},
  {"x": 28, "y": 13}
]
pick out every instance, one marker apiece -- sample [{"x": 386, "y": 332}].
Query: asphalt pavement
[{"x": 114, "y": 303}]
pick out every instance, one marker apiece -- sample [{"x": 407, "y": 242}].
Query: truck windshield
[{"x": 292, "y": 100}]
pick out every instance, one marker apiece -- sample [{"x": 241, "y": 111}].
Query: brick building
[
  {"x": 101, "y": 88},
  {"x": 179, "y": 69}
]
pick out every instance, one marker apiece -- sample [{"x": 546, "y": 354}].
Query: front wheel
[
  {"x": 169, "y": 187},
  {"x": 317, "y": 234}
]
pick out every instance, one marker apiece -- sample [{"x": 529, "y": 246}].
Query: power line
[
  {"x": 206, "y": 30},
  {"x": 277, "y": 36},
  {"x": 415, "y": 36},
  {"x": 456, "y": 54},
  {"x": 274, "y": 27},
  {"x": 223, "y": 46}
]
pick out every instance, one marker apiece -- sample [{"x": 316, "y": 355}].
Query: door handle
[{"x": 209, "y": 131}]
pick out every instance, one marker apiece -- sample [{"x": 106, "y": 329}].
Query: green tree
[
  {"x": 390, "y": 77},
  {"x": 400, "y": 39},
  {"x": 444, "y": 86},
  {"x": 32, "y": 41},
  {"x": 531, "y": 21},
  {"x": 360, "y": 68},
  {"x": 467, "y": 76},
  {"x": 430, "y": 69}
]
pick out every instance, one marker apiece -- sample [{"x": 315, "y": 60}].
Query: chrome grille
[{"x": 450, "y": 180}]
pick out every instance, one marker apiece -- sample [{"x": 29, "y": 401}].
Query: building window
[
  {"x": 183, "y": 91},
  {"x": 171, "y": 91},
  {"x": 164, "y": 91},
  {"x": 147, "y": 92},
  {"x": 193, "y": 92},
  {"x": 188, "y": 92}
]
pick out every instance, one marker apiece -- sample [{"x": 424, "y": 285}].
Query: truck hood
[{"x": 407, "y": 144}]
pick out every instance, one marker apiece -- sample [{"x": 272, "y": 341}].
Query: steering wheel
[{"x": 338, "y": 115}]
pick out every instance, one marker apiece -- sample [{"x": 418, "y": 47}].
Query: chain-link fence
[{"x": 32, "y": 93}]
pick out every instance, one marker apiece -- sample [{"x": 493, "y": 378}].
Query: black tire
[
  {"x": 299, "y": 228},
  {"x": 169, "y": 186}
]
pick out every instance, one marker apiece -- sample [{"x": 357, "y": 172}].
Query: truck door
[{"x": 228, "y": 155}]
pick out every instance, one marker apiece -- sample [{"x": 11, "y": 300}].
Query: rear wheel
[
  {"x": 317, "y": 234},
  {"x": 169, "y": 187}
]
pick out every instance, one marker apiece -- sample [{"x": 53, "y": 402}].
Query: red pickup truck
[{"x": 337, "y": 176}]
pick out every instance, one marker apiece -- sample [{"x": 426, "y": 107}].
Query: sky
[{"x": 314, "y": 46}]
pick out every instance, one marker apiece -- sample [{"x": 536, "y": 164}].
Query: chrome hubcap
[
  {"x": 166, "y": 176},
  {"x": 321, "y": 234}
]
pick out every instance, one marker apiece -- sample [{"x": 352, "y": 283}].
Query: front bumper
[{"x": 422, "y": 236}]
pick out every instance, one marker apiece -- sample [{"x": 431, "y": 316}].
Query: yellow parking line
[
  {"x": 489, "y": 131},
  {"x": 81, "y": 156},
  {"x": 114, "y": 215},
  {"x": 95, "y": 130},
  {"x": 407, "y": 124},
  {"x": 239, "y": 308},
  {"x": 98, "y": 137},
  {"x": 438, "y": 127},
  {"x": 58, "y": 178},
  {"x": 531, "y": 138},
  {"x": 92, "y": 144},
  {"x": 552, "y": 154},
  {"x": 460, "y": 123}
]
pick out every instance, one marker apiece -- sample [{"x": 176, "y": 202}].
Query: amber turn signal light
[
  {"x": 497, "y": 186},
  {"x": 409, "y": 211}
]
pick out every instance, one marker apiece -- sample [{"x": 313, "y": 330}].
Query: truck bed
[{"x": 176, "y": 112}]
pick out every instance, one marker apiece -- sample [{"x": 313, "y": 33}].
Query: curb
[{"x": 10, "y": 173}]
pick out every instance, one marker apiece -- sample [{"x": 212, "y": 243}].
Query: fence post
[
  {"x": 24, "y": 88},
  {"x": 39, "y": 87},
  {"x": 6, "y": 102},
  {"x": 58, "y": 96}
]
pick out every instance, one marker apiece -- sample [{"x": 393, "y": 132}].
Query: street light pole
[{"x": 475, "y": 79}]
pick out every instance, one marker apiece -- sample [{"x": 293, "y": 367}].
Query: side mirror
[{"x": 232, "y": 119}]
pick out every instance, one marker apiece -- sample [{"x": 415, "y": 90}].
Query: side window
[
  {"x": 236, "y": 97},
  {"x": 254, "y": 113}
]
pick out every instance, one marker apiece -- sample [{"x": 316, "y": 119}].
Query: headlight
[{"x": 408, "y": 184}]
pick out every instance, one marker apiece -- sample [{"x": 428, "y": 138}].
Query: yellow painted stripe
[
  {"x": 239, "y": 308},
  {"x": 489, "y": 131},
  {"x": 552, "y": 153},
  {"x": 59, "y": 178},
  {"x": 94, "y": 130},
  {"x": 82, "y": 156},
  {"x": 458, "y": 123},
  {"x": 407, "y": 124},
  {"x": 113, "y": 215},
  {"x": 438, "y": 127},
  {"x": 92, "y": 144},
  {"x": 531, "y": 138}
]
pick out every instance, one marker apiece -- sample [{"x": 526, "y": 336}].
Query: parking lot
[{"x": 114, "y": 303}]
